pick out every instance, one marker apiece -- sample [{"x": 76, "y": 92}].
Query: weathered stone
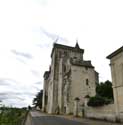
[
  {"x": 116, "y": 63},
  {"x": 69, "y": 77}
]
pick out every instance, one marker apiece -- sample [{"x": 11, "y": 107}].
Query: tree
[
  {"x": 96, "y": 101},
  {"x": 37, "y": 101},
  {"x": 105, "y": 90},
  {"x": 104, "y": 94}
]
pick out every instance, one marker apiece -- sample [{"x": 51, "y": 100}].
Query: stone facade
[
  {"x": 69, "y": 77},
  {"x": 116, "y": 63}
]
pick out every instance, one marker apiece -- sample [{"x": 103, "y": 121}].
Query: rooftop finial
[
  {"x": 77, "y": 45},
  {"x": 56, "y": 40}
]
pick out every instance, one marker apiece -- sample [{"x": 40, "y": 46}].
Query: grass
[{"x": 12, "y": 116}]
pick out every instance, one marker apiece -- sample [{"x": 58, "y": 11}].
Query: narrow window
[{"x": 87, "y": 82}]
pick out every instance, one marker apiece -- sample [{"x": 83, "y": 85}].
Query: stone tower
[{"x": 69, "y": 77}]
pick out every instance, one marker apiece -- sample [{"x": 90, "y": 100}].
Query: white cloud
[{"x": 31, "y": 26}]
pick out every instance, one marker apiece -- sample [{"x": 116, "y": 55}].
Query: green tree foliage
[
  {"x": 105, "y": 89},
  {"x": 12, "y": 116},
  {"x": 104, "y": 94},
  {"x": 96, "y": 101},
  {"x": 37, "y": 101}
]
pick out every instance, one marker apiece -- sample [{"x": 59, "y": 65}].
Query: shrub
[
  {"x": 108, "y": 101},
  {"x": 96, "y": 101}
]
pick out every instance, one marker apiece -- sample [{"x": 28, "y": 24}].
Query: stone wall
[
  {"x": 106, "y": 112},
  {"x": 28, "y": 120},
  {"x": 117, "y": 80},
  {"x": 69, "y": 77},
  {"x": 79, "y": 86}
]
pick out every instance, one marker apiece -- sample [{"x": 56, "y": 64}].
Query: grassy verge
[{"x": 12, "y": 116}]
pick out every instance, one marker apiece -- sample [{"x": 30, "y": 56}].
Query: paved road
[
  {"x": 53, "y": 120},
  {"x": 38, "y": 118}
]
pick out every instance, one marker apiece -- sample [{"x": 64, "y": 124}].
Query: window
[
  {"x": 87, "y": 82},
  {"x": 86, "y": 68}
]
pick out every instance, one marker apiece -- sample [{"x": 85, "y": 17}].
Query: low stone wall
[
  {"x": 28, "y": 120},
  {"x": 106, "y": 112}
]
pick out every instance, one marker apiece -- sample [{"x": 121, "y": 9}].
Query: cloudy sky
[{"x": 28, "y": 29}]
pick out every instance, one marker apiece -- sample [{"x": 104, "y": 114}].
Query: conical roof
[{"x": 77, "y": 45}]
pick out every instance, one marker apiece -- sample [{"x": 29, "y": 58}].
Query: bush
[
  {"x": 104, "y": 95},
  {"x": 12, "y": 116},
  {"x": 108, "y": 101},
  {"x": 96, "y": 101}
]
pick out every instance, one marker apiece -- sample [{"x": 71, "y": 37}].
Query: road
[
  {"x": 53, "y": 120},
  {"x": 38, "y": 118}
]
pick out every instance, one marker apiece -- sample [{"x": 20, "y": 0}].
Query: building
[
  {"x": 116, "y": 63},
  {"x": 69, "y": 77}
]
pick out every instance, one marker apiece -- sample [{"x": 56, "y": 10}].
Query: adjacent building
[
  {"x": 69, "y": 77},
  {"x": 116, "y": 63}
]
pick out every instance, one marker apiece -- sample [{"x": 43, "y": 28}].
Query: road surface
[
  {"x": 38, "y": 118},
  {"x": 53, "y": 120}
]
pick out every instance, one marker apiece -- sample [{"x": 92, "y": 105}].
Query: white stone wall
[
  {"x": 60, "y": 86},
  {"x": 50, "y": 98},
  {"x": 43, "y": 100},
  {"x": 117, "y": 80},
  {"x": 106, "y": 112},
  {"x": 45, "y": 93},
  {"x": 79, "y": 88}
]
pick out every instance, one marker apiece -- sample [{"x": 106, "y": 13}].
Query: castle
[{"x": 70, "y": 77}]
